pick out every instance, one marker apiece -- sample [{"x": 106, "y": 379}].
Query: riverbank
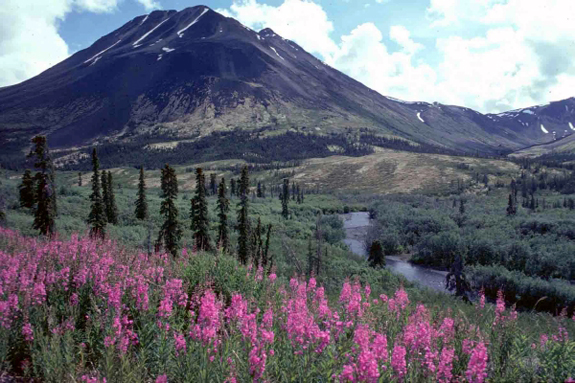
[{"x": 356, "y": 226}]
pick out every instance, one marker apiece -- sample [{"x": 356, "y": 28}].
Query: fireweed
[{"x": 87, "y": 311}]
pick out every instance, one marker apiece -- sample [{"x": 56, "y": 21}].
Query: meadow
[
  {"x": 89, "y": 311},
  {"x": 77, "y": 309}
]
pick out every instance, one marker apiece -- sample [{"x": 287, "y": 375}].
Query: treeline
[
  {"x": 253, "y": 147},
  {"x": 37, "y": 193},
  {"x": 261, "y": 150}
]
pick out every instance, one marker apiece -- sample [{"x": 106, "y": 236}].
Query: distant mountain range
[{"x": 176, "y": 76}]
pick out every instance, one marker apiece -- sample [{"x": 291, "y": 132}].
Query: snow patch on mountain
[
  {"x": 571, "y": 126},
  {"x": 544, "y": 130},
  {"x": 273, "y": 49},
  {"x": 419, "y": 116},
  {"x": 135, "y": 44},
  {"x": 145, "y": 18},
  {"x": 181, "y": 32},
  {"x": 528, "y": 111},
  {"x": 168, "y": 50},
  {"x": 102, "y": 52}
]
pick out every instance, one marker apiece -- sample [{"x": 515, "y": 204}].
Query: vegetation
[
  {"x": 141, "y": 203},
  {"x": 223, "y": 211},
  {"x": 170, "y": 233},
  {"x": 199, "y": 218},
  {"x": 97, "y": 217},
  {"x": 44, "y": 201},
  {"x": 134, "y": 317}
]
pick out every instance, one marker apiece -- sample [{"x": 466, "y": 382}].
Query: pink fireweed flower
[
  {"x": 141, "y": 295},
  {"x": 499, "y": 307},
  {"x": 73, "y": 299},
  {"x": 445, "y": 366},
  {"x": 180, "y": 343},
  {"x": 257, "y": 361},
  {"x": 379, "y": 348},
  {"x": 467, "y": 345},
  {"x": 347, "y": 375},
  {"x": 401, "y": 298},
  {"x": 272, "y": 277},
  {"x": 27, "y": 332},
  {"x": 345, "y": 294},
  {"x": 162, "y": 379},
  {"x": 115, "y": 297},
  {"x": 398, "y": 362},
  {"x": 447, "y": 330},
  {"x": 477, "y": 364},
  {"x": 39, "y": 293},
  {"x": 482, "y": 299},
  {"x": 208, "y": 322}
]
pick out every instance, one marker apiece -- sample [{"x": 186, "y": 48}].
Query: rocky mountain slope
[{"x": 181, "y": 75}]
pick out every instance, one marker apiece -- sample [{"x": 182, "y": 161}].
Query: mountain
[{"x": 178, "y": 76}]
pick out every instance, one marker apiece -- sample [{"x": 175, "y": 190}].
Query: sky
[{"x": 488, "y": 55}]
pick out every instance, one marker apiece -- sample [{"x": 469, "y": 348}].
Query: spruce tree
[
  {"x": 141, "y": 202},
  {"x": 97, "y": 217},
  {"x": 213, "y": 184},
  {"x": 285, "y": 199},
  {"x": 223, "y": 210},
  {"x": 200, "y": 221},
  {"x": 243, "y": 219},
  {"x": 27, "y": 192},
  {"x": 259, "y": 190},
  {"x": 45, "y": 195},
  {"x": 376, "y": 257},
  {"x": 80, "y": 179},
  {"x": 511, "y": 208},
  {"x": 111, "y": 208},
  {"x": 170, "y": 233}
]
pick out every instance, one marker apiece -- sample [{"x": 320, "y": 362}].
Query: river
[{"x": 356, "y": 225}]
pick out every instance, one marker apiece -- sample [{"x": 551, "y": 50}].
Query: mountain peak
[{"x": 267, "y": 32}]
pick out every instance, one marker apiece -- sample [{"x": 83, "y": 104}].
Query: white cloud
[
  {"x": 523, "y": 58},
  {"x": 520, "y": 52},
  {"x": 300, "y": 20},
  {"x": 97, "y": 6},
  {"x": 149, "y": 4},
  {"x": 29, "y": 39}
]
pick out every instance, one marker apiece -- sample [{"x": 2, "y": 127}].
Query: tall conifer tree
[
  {"x": 45, "y": 194},
  {"x": 285, "y": 199},
  {"x": 170, "y": 232},
  {"x": 141, "y": 202},
  {"x": 223, "y": 210},
  {"x": 97, "y": 217},
  {"x": 243, "y": 219},
  {"x": 27, "y": 192},
  {"x": 200, "y": 221}
]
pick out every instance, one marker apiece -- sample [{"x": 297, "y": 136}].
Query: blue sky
[{"x": 490, "y": 55}]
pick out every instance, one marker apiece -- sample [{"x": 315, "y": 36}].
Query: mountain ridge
[{"x": 187, "y": 74}]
